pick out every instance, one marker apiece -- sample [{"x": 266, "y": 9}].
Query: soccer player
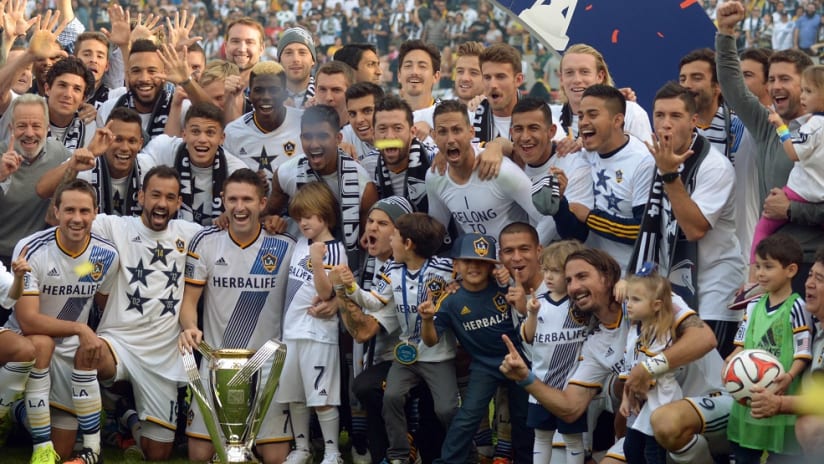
[
  {"x": 296, "y": 53},
  {"x": 469, "y": 82},
  {"x": 333, "y": 79},
  {"x": 71, "y": 268},
  {"x": 363, "y": 58},
  {"x": 244, "y": 268},
  {"x": 140, "y": 323},
  {"x": 501, "y": 72},
  {"x": 267, "y": 136},
  {"x": 361, "y": 99},
  {"x": 419, "y": 68}
]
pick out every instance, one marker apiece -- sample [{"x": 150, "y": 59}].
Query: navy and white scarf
[
  {"x": 183, "y": 164},
  {"x": 106, "y": 201},
  {"x": 160, "y": 113},
  {"x": 75, "y": 135},
  {"x": 414, "y": 176}
]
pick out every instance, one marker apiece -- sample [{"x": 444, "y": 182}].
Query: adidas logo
[
  {"x": 136, "y": 239},
  {"x": 242, "y": 151},
  {"x": 323, "y": 392},
  {"x": 53, "y": 273},
  {"x": 610, "y": 351},
  {"x": 220, "y": 262},
  {"x": 465, "y": 311},
  {"x": 541, "y": 319}
]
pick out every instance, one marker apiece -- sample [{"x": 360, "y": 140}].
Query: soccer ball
[{"x": 750, "y": 368}]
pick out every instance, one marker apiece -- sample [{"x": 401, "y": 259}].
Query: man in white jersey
[
  {"x": 401, "y": 169},
  {"x": 200, "y": 160},
  {"x": 324, "y": 162},
  {"x": 581, "y": 67},
  {"x": 244, "y": 268},
  {"x": 532, "y": 132},
  {"x": 689, "y": 223},
  {"x": 115, "y": 173},
  {"x": 140, "y": 322},
  {"x": 71, "y": 268},
  {"x": 621, "y": 169},
  {"x": 419, "y": 68},
  {"x": 361, "y": 99},
  {"x": 501, "y": 71},
  {"x": 267, "y": 136},
  {"x": 476, "y": 206},
  {"x": 591, "y": 275}
]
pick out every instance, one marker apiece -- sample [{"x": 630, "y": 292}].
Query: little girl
[
  {"x": 556, "y": 335},
  {"x": 649, "y": 307},
  {"x": 806, "y": 181}
]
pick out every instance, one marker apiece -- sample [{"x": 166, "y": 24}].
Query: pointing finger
[{"x": 510, "y": 346}]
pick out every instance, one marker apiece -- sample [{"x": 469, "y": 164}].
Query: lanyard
[{"x": 414, "y": 332}]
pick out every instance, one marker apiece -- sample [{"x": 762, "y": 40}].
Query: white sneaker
[
  {"x": 298, "y": 457},
  {"x": 365, "y": 458},
  {"x": 333, "y": 458}
]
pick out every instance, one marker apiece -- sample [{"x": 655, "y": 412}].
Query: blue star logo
[
  {"x": 602, "y": 179},
  {"x": 173, "y": 276},
  {"x": 169, "y": 304},
  {"x": 159, "y": 254},
  {"x": 613, "y": 202},
  {"x": 136, "y": 301},
  {"x": 139, "y": 273}
]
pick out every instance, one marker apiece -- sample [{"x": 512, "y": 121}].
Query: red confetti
[
  {"x": 660, "y": 35},
  {"x": 615, "y": 36},
  {"x": 588, "y": 7},
  {"x": 687, "y": 3}
]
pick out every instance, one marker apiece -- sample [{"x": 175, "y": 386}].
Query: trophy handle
[
  {"x": 264, "y": 397},
  {"x": 209, "y": 417}
]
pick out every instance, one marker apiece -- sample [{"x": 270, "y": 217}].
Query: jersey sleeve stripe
[
  {"x": 190, "y": 281},
  {"x": 585, "y": 384},
  {"x": 376, "y": 295}
]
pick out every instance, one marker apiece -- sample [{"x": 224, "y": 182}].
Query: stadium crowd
[{"x": 473, "y": 250}]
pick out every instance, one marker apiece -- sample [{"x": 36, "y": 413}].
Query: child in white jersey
[
  {"x": 806, "y": 181},
  {"x": 312, "y": 364},
  {"x": 649, "y": 307},
  {"x": 556, "y": 335}
]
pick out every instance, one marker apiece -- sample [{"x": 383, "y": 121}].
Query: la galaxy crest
[
  {"x": 619, "y": 176},
  {"x": 180, "y": 245},
  {"x": 481, "y": 247},
  {"x": 499, "y": 300},
  {"x": 289, "y": 148},
  {"x": 269, "y": 262},
  {"x": 97, "y": 270}
]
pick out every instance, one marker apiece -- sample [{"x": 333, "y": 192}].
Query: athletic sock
[
  {"x": 542, "y": 448},
  {"x": 574, "y": 448},
  {"x": 13, "y": 378},
  {"x": 37, "y": 405},
  {"x": 87, "y": 404},
  {"x": 697, "y": 450},
  {"x": 329, "y": 421},
  {"x": 300, "y": 425}
]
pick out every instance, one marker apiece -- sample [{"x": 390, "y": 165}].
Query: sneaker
[
  {"x": 358, "y": 458},
  {"x": 86, "y": 456},
  {"x": 298, "y": 457},
  {"x": 45, "y": 455},
  {"x": 333, "y": 458}
]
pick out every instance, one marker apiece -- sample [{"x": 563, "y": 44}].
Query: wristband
[
  {"x": 527, "y": 381},
  {"x": 657, "y": 364},
  {"x": 783, "y": 133},
  {"x": 351, "y": 289}
]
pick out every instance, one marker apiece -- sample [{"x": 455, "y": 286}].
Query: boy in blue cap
[{"x": 478, "y": 314}]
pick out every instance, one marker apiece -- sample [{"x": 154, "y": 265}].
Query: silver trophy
[{"x": 239, "y": 399}]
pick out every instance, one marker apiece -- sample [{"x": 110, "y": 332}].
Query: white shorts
[
  {"x": 274, "y": 429},
  {"x": 60, "y": 371},
  {"x": 155, "y": 395},
  {"x": 311, "y": 374}
]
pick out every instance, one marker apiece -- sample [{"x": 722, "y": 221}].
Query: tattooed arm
[{"x": 361, "y": 326}]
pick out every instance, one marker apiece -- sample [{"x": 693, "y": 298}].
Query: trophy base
[{"x": 237, "y": 454}]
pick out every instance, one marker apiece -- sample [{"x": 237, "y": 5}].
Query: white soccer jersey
[
  {"x": 556, "y": 347},
  {"x": 6, "y": 281},
  {"x": 143, "y": 306},
  {"x": 800, "y": 319},
  {"x": 264, "y": 151},
  {"x": 387, "y": 338},
  {"x": 484, "y": 207},
  {"x": 64, "y": 293},
  {"x": 578, "y": 190},
  {"x": 621, "y": 182},
  {"x": 162, "y": 150},
  {"x": 404, "y": 291},
  {"x": 297, "y": 323},
  {"x": 288, "y": 178},
  {"x": 636, "y": 122},
  {"x": 250, "y": 278}
]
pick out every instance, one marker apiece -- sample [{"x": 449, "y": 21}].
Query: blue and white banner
[{"x": 641, "y": 40}]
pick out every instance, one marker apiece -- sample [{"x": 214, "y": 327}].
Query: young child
[
  {"x": 649, "y": 307},
  {"x": 415, "y": 276},
  {"x": 478, "y": 315},
  {"x": 556, "y": 335},
  {"x": 312, "y": 365},
  {"x": 778, "y": 323},
  {"x": 806, "y": 181}
]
